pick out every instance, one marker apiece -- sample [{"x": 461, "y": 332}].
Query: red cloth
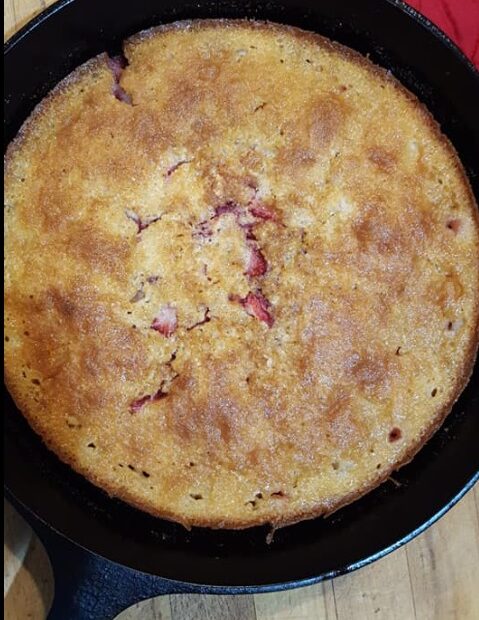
[{"x": 459, "y": 19}]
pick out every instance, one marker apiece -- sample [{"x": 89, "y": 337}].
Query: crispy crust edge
[
  {"x": 41, "y": 108},
  {"x": 321, "y": 509}
]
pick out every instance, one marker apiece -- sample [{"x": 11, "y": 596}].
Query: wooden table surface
[{"x": 435, "y": 577}]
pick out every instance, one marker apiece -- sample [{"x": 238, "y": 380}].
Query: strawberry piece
[
  {"x": 256, "y": 210},
  {"x": 117, "y": 64},
  {"x": 248, "y": 228},
  {"x": 256, "y": 305},
  {"x": 261, "y": 211},
  {"x": 120, "y": 93},
  {"x": 166, "y": 321},
  {"x": 257, "y": 264},
  {"x": 138, "y": 404},
  {"x": 227, "y": 207},
  {"x": 243, "y": 217},
  {"x": 454, "y": 225}
]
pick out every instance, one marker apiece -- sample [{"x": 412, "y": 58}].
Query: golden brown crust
[{"x": 261, "y": 407}]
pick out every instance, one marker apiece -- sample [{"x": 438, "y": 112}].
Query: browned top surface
[{"x": 360, "y": 215}]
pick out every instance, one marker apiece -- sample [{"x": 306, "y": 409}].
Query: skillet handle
[{"x": 88, "y": 587}]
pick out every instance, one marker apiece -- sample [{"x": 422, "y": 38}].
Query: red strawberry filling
[
  {"x": 256, "y": 305},
  {"x": 203, "y": 230},
  {"x": 141, "y": 223},
  {"x": 175, "y": 167},
  {"x": 139, "y": 403},
  {"x": 454, "y": 225},
  {"x": 205, "y": 319},
  {"x": 248, "y": 228},
  {"x": 257, "y": 264},
  {"x": 261, "y": 211},
  {"x": 166, "y": 321},
  {"x": 246, "y": 218},
  {"x": 117, "y": 64},
  {"x": 121, "y": 94},
  {"x": 227, "y": 207}
]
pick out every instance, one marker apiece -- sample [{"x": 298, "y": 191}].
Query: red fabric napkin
[{"x": 459, "y": 19}]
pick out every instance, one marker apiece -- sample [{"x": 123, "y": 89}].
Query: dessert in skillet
[{"x": 242, "y": 273}]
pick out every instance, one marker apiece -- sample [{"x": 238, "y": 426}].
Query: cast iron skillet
[{"x": 121, "y": 555}]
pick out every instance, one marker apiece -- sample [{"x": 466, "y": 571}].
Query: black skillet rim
[
  {"x": 265, "y": 587},
  {"x": 411, "y": 11},
  {"x": 188, "y": 586}
]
